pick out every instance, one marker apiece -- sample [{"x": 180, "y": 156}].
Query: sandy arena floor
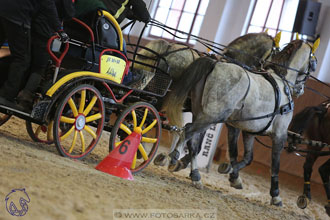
[{"x": 62, "y": 189}]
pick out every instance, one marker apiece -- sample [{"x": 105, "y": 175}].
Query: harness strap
[
  {"x": 248, "y": 89},
  {"x": 277, "y": 94}
]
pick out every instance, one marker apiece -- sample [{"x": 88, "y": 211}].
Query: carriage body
[{"x": 85, "y": 90}]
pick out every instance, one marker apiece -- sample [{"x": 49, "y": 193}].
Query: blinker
[{"x": 313, "y": 63}]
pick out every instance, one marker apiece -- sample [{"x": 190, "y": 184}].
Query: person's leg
[
  {"x": 19, "y": 44},
  {"x": 39, "y": 61}
]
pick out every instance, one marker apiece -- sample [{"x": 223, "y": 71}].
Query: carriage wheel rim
[
  {"x": 35, "y": 132},
  {"x": 78, "y": 124},
  {"x": 139, "y": 126}
]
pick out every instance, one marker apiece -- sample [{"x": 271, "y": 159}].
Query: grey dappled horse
[
  {"x": 176, "y": 56},
  {"x": 236, "y": 96},
  {"x": 249, "y": 50}
]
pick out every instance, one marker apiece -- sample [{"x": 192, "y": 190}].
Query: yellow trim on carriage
[
  {"x": 70, "y": 76},
  {"x": 121, "y": 9},
  {"x": 115, "y": 23},
  {"x": 307, "y": 183}
]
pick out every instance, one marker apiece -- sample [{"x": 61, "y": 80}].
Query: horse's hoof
[
  {"x": 160, "y": 159},
  {"x": 302, "y": 201},
  {"x": 236, "y": 183},
  {"x": 277, "y": 201},
  {"x": 178, "y": 166},
  {"x": 224, "y": 168},
  {"x": 327, "y": 209},
  {"x": 198, "y": 184},
  {"x": 173, "y": 167}
]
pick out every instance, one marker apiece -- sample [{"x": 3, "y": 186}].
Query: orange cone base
[
  {"x": 121, "y": 172},
  {"x": 119, "y": 161}
]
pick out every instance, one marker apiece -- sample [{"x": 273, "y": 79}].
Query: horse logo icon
[{"x": 16, "y": 202}]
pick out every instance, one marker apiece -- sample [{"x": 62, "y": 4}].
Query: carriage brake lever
[{"x": 57, "y": 60}]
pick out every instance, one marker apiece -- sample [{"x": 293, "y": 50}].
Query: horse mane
[
  {"x": 250, "y": 48},
  {"x": 284, "y": 57},
  {"x": 302, "y": 120}
]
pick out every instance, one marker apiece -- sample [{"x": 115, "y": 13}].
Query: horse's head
[
  {"x": 309, "y": 63},
  {"x": 251, "y": 49},
  {"x": 294, "y": 63}
]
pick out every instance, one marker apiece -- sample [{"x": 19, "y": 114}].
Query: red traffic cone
[{"x": 119, "y": 161}]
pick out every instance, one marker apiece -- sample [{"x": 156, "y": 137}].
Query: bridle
[{"x": 296, "y": 87}]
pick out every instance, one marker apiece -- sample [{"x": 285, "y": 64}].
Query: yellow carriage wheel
[
  {"x": 78, "y": 121},
  {"x": 40, "y": 133},
  {"x": 4, "y": 118},
  {"x": 143, "y": 117}
]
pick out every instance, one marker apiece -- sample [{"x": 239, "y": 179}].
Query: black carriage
[{"x": 84, "y": 91}]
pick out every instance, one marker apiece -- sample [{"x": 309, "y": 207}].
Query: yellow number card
[{"x": 113, "y": 66}]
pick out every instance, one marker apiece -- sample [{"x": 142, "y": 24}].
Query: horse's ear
[
  {"x": 297, "y": 36},
  {"x": 277, "y": 39},
  {"x": 266, "y": 31},
  {"x": 316, "y": 45}
]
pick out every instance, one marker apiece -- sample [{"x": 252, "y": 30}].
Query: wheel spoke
[
  {"x": 67, "y": 120},
  {"x": 49, "y": 131},
  {"x": 134, "y": 118},
  {"x": 82, "y": 101},
  {"x": 73, "y": 107},
  {"x": 90, "y": 131},
  {"x": 125, "y": 128},
  {"x": 73, "y": 141},
  {"x": 118, "y": 143},
  {"x": 82, "y": 141},
  {"x": 149, "y": 127},
  {"x": 37, "y": 132},
  {"x": 134, "y": 162},
  {"x": 149, "y": 140},
  {"x": 144, "y": 117},
  {"x": 90, "y": 105},
  {"x": 67, "y": 133},
  {"x": 93, "y": 117},
  {"x": 143, "y": 152}
]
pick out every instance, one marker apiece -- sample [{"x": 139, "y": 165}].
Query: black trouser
[
  {"x": 19, "y": 39},
  {"x": 39, "y": 61},
  {"x": 4, "y": 67}
]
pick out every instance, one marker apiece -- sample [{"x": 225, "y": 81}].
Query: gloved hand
[
  {"x": 140, "y": 11},
  {"x": 63, "y": 36}
]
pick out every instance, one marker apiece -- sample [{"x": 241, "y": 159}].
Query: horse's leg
[
  {"x": 162, "y": 158},
  {"x": 278, "y": 144},
  {"x": 232, "y": 137},
  {"x": 324, "y": 171},
  {"x": 302, "y": 200},
  {"x": 308, "y": 169},
  {"x": 194, "y": 148},
  {"x": 184, "y": 161},
  {"x": 191, "y": 129},
  {"x": 235, "y": 180}
]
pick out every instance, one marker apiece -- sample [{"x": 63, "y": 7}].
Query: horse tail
[
  {"x": 302, "y": 120},
  {"x": 173, "y": 104}
]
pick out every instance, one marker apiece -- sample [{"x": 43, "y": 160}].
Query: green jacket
[{"x": 86, "y": 6}]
